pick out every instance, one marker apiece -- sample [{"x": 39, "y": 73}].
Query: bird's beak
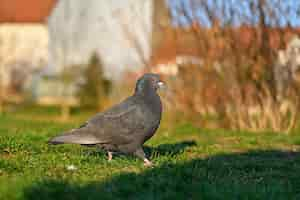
[{"x": 161, "y": 85}]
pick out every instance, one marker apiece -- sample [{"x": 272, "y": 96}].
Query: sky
[{"x": 290, "y": 8}]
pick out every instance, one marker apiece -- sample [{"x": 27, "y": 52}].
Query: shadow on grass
[
  {"x": 253, "y": 175},
  {"x": 171, "y": 149}
]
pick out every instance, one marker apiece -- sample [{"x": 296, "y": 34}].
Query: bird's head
[{"x": 149, "y": 82}]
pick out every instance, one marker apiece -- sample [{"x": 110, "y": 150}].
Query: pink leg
[
  {"x": 147, "y": 163},
  {"x": 110, "y": 155}
]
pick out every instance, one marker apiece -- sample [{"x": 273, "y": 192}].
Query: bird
[{"x": 124, "y": 127}]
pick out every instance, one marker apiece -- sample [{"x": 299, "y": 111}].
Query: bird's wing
[
  {"x": 119, "y": 124},
  {"x": 118, "y": 110},
  {"x": 115, "y": 126}
]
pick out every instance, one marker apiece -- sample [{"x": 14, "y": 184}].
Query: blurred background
[{"x": 228, "y": 64}]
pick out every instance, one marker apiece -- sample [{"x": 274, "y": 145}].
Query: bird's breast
[{"x": 152, "y": 114}]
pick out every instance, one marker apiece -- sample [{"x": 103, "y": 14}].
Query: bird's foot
[
  {"x": 110, "y": 155},
  {"x": 147, "y": 163}
]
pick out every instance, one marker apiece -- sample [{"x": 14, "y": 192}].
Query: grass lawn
[{"x": 190, "y": 163}]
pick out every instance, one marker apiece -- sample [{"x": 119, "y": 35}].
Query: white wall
[
  {"x": 77, "y": 28},
  {"x": 23, "y": 48}
]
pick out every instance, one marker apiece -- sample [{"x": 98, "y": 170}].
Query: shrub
[{"x": 95, "y": 89}]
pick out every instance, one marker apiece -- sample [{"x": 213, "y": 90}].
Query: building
[
  {"x": 23, "y": 40},
  {"x": 52, "y": 36},
  {"x": 120, "y": 32}
]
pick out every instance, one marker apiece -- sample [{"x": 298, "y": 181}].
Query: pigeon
[{"x": 125, "y": 127}]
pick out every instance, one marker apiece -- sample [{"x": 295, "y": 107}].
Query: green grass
[{"x": 190, "y": 163}]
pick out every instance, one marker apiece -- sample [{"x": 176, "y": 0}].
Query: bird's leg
[
  {"x": 147, "y": 163},
  {"x": 141, "y": 154},
  {"x": 110, "y": 155}
]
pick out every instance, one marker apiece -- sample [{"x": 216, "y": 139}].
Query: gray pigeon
[{"x": 124, "y": 127}]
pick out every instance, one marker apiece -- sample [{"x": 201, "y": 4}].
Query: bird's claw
[{"x": 147, "y": 163}]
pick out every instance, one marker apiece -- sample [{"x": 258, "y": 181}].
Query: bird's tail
[
  {"x": 58, "y": 140},
  {"x": 75, "y": 136}
]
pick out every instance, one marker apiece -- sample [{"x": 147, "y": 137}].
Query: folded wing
[{"x": 116, "y": 126}]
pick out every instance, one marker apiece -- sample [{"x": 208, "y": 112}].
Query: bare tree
[
  {"x": 247, "y": 93},
  {"x": 136, "y": 31},
  {"x": 135, "y": 43},
  {"x": 62, "y": 35}
]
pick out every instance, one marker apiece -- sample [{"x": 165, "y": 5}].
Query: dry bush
[
  {"x": 237, "y": 103},
  {"x": 266, "y": 113},
  {"x": 235, "y": 83}
]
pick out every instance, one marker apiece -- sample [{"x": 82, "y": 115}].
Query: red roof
[{"x": 25, "y": 11}]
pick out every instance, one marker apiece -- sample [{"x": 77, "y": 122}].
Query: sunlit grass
[{"x": 190, "y": 163}]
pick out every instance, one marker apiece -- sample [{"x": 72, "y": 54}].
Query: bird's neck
[
  {"x": 146, "y": 92},
  {"x": 150, "y": 97}
]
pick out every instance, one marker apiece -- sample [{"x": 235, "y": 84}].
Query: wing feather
[{"x": 114, "y": 126}]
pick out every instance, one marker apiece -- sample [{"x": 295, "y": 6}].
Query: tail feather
[
  {"x": 54, "y": 142},
  {"x": 75, "y": 136},
  {"x": 58, "y": 140}
]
